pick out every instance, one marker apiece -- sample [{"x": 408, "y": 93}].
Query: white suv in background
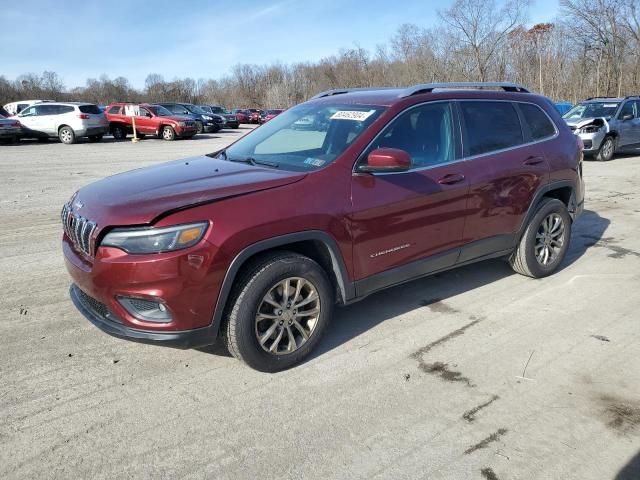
[
  {"x": 66, "y": 120},
  {"x": 15, "y": 108}
]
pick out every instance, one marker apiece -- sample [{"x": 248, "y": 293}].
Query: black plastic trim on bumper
[{"x": 184, "y": 339}]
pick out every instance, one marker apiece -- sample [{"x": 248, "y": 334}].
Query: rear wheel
[
  {"x": 168, "y": 133},
  {"x": 67, "y": 135},
  {"x": 280, "y": 308},
  {"x": 607, "y": 149},
  {"x": 119, "y": 132},
  {"x": 545, "y": 241},
  {"x": 95, "y": 138}
]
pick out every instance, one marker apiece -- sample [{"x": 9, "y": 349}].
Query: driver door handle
[
  {"x": 451, "y": 179},
  {"x": 533, "y": 161}
]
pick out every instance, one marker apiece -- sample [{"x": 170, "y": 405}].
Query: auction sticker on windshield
[{"x": 352, "y": 115}]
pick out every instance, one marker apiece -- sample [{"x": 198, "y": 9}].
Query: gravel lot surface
[{"x": 477, "y": 373}]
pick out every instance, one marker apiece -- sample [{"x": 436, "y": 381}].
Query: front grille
[
  {"x": 78, "y": 229},
  {"x": 93, "y": 304},
  {"x": 190, "y": 124}
]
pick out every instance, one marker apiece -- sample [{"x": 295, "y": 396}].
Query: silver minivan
[{"x": 66, "y": 120}]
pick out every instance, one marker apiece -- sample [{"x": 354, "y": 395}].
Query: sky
[{"x": 197, "y": 39}]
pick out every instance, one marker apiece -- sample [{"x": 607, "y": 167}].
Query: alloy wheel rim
[
  {"x": 66, "y": 135},
  {"x": 166, "y": 133},
  {"x": 549, "y": 239},
  {"x": 287, "y": 316},
  {"x": 608, "y": 146}
]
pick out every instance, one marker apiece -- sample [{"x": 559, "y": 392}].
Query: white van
[
  {"x": 66, "y": 120},
  {"x": 15, "y": 108}
]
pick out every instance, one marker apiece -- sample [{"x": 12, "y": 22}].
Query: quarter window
[
  {"x": 490, "y": 126},
  {"x": 424, "y": 132},
  {"x": 539, "y": 124}
]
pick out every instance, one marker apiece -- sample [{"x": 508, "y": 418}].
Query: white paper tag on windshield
[
  {"x": 610, "y": 105},
  {"x": 352, "y": 115}
]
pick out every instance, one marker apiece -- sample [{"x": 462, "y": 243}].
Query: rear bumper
[
  {"x": 111, "y": 324},
  {"x": 10, "y": 132}
]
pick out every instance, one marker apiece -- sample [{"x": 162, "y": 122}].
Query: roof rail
[
  {"x": 339, "y": 91},
  {"x": 430, "y": 87},
  {"x": 596, "y": 98}
]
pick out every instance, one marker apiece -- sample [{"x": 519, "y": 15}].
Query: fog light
[{"x": 146, "y": 310}]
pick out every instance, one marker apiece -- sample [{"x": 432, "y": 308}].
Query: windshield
[
  {"x": 219, "y": 110},
  {"x": 194, "y": 109},
  {"x": 159, "y": 111},
  {"x": 592, "y": 110},
  {"x": 306, "y": 137}
]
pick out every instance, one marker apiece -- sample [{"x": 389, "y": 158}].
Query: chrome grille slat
[{"x": 78, "y": 229}]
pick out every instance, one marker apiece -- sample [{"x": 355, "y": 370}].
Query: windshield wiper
[{"x": 253, "y": 161}]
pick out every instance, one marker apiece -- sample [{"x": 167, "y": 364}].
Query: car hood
[
  {"x": 140, "y": 196},
  {"x": 582, "y": 122}
]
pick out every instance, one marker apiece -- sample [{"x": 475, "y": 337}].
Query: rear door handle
[
  {"x": 533, "y": 161},
  {"x": 451, "y": 178}
]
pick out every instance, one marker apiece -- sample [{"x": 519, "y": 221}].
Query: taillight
[{"x": 84, "y": 116}]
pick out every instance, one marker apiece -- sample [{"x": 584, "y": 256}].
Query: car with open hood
[{"x": 606, "y": 125}]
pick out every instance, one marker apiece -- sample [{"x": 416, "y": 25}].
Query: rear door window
[
  {"x": 540, "y": 126},
  {"x": 92, "y": 109},
  {"x": 49, "y": 109},
  {"x": 490, "y": 126}
]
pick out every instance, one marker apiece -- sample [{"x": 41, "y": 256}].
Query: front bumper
[
  {"x": 592, "y": 141},
  {"x": 187, "y": 282},
  {"x": 111, "y": 324}
]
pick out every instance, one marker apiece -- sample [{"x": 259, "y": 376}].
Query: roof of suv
[{"x": 387, "y": 96}]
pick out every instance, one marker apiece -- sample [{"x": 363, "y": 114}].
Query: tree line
[{"x": 591, "y": 49}]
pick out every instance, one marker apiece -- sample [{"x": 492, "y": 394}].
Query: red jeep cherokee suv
[
  {"x": 152, "y": 120},
  {"x": 257, "y": 242}
]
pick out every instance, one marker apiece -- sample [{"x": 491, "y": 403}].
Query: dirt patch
[
  {"x": 469, "y": 415},
  {"x": 610, "y": 244},
  {"x": 489, "y": 474},
  {"x": 456, "y": 333},
  {"x": 442, "y": 370},
  {"x": 437, "y": 305},
  {"x": 621, "y": 415},
  {"x": 494, "y": 437}
]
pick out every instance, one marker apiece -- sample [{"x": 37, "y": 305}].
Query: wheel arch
[
  {"x": 563, "y": 190},
  {"x": 315, "y": 244}
]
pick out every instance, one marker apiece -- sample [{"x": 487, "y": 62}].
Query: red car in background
[
  {"x": 270, "y": 114},
  {"x": 152, "y": 120},
  {"x": 253, "y": 115},
  {"x": 241, "y": 115}
]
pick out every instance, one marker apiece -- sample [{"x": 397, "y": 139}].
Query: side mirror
[
  {"x": 628, "y": 116},
  {"x": 386, "y": 160}
]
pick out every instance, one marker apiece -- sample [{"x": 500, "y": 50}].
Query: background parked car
[
  {"x": 153, "y": 120},
  {"x": 10, "y": 129},
  {"x": 270, "y": 114},
  {"x": 231, "y": 121},
  {"x": 606, "y": 124},
  {"x": 207, "y": 123},
  {"x": 68, "y": 121},
  {"x": 4, "y": 113},
  {"x": 253, "y": 115},
  {"x": 241, "y": 115},
  {"x": 563, "y": 107},
  {"x": 14, "y": 108}
]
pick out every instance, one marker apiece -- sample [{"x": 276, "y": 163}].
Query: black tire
[
  {"x": 140, "y": 135},
  {"x": 260, "y": 276},
  {"x": 168, "y": 134},
  {"x": 199, "y": 127},
  {"x": 119, "y": 132},
  {"x": 524, "y": 259},
  {"x": 607, "y": 149},
  {"x": 67, "y": 135},
  {"x": 95, "y": 138}
]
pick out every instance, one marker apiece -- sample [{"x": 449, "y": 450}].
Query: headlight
[
  {"x": 207, "y": 117},
  {"x": 182, "y": 124},
  {"x": 155, "y": 240},
  {"x": 590, "y": 129}
]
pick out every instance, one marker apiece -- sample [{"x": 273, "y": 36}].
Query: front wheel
[
  {"x": 545, "y": 241},
  {"x": 281, "y": 306},
  {"x": 199, "y": 127},
  {"x": 67, "y": 135},
  {"x": 168, "y": 133},
  {"x": 607, "y": 149}
]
